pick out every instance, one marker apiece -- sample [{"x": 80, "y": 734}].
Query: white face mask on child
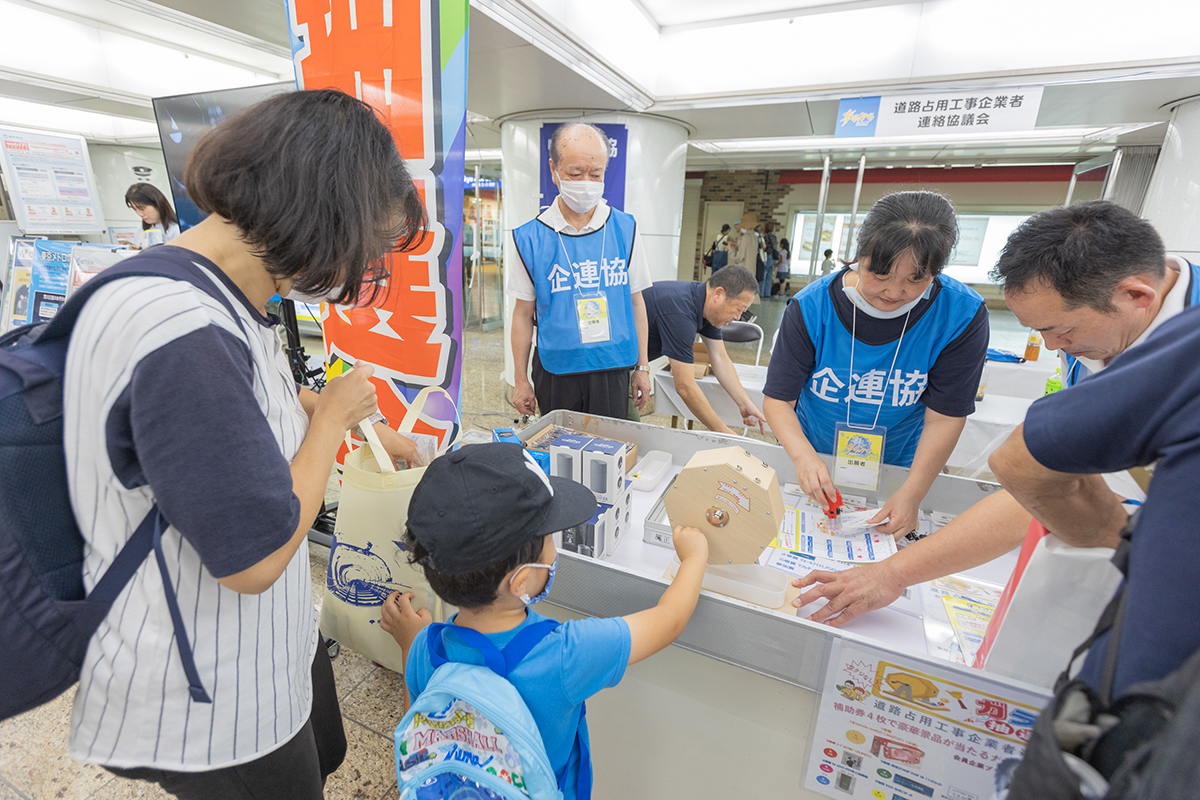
[{"x": 525, "y": 598}]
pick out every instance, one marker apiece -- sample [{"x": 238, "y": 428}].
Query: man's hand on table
[{"x": 850, "y": 593}]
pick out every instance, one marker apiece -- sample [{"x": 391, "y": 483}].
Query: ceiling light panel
[
  {"x": 90, "y": 125},
  {"x": 86, "y": 55}
]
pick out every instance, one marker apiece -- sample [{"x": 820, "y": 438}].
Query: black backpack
[
  {"x": 1141, "y": 746},
  {"x": 45, "y": 619}
]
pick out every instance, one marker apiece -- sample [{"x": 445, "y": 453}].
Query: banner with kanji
[
  {"x": 408, "y": 60},
  {"x": 891, "y": 727}
]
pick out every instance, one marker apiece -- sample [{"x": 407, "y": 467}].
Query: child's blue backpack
[
  {"x": 45, "y": 619},
  {"x": 469, "y": 735}
]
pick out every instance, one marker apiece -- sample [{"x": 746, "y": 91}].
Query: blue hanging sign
[{"x": 857, "y": 117}]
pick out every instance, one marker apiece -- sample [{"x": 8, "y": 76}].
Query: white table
[
  {"x": 667, "y": 399},
  {"x": 1026, "y": 380},
  {"x": 1010, "y": 393}
]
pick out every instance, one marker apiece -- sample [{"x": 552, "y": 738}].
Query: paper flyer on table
[
  {"x": 969, "y": 620},
  {"x": 893, "y": 727},
  {"x": 803, "y": 531}
]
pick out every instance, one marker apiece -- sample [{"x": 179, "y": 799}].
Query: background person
[
  {"x": 890, "y": 342},
  {"x": 783, "y": 268},
  {"x": 770, "y": 247},
  {"x": 159, "y": 223},
  {"x": 1096, "y": 280},
  {"x": 676, "y": 312},
  {"x": 720, "y": 249},
  {"x": 172, "y": 401},
  {"x": 828, "y": 265},
  {"x": 582, "y": 274}
]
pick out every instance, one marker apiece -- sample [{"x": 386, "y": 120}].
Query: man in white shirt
[{"x": 580, "y": 281}]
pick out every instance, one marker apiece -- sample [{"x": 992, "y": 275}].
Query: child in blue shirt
[{"x": 480, "y": 524}]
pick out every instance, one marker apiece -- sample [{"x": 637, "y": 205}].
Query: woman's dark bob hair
[
  {"x": 921, "y": 224},
  {"x": 315, "y": 184},
  {"x": 147, "y": 194}
]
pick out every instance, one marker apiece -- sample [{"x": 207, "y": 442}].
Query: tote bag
[{"x": 367, "y": 561}]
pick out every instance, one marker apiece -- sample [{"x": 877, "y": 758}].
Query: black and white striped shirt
[{"x": 167, "y": 399}]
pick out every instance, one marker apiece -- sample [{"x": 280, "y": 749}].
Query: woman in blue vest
[{"x": 887, "y": 351}]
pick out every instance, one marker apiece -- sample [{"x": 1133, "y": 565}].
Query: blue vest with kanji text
[
  {"x": 598, "y": 264},
  {"x": 895, "y": 395},
  {"x": 1075, "y": 370}
]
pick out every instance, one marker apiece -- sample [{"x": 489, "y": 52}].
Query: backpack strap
[
  {"x": 166, "y": 261},
  {"x": 498, "y": 661}
]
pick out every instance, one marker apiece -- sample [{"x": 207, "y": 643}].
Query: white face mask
[
  {"x": 313, "y": 299},
  {"x": 580, "y": 196},
  {"x": 863, "y": 305}
]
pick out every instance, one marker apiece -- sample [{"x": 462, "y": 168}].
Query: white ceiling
[{"x": 729, "y": 71}]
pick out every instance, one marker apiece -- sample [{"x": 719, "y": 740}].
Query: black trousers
[
  {"x": 296, "y": 771},
  {"x": 605, "y": 393}
]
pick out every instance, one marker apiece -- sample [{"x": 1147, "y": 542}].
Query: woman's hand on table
[
  {"x": 898, "y": 515},
  {"x": 814, "y": 480},
  {"x": 850, "y": 593}
]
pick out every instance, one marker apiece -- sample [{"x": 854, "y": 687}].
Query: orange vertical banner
[{"x": 408, "y": 60}]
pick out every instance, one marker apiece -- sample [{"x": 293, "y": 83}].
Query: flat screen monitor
[{"x": 184, "y": 119}]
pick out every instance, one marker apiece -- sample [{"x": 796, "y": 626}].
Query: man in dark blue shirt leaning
[
  {"x": 676, "y": 311},
  {"x": 1143, "y": 409}
]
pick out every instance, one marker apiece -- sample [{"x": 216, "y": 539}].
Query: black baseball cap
[{"x": 480, "y": 504}]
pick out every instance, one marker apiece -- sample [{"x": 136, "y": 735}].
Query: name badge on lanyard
[
  {"x": 858, "y": 449},
  {"x": 593, "y": 318},
  {"x": 591, "y": 307},
  {"x": 857, "y": 455}
]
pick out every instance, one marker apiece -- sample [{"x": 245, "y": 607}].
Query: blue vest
[
  {"x": 598, "y": 265},
  {"x": 896, "y": 396},
  {"x": 1076, "y": 370}
]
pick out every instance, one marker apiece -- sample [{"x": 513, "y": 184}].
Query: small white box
[
  {"x": 622, "y": 513},
  {"x": 604, "y": 469},
  {"x": 566, "y": 457},
  {"x": 592, "y": 537}
]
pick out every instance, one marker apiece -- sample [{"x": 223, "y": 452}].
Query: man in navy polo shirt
[
  {"x": 1143, "y": 408},
  {"x": 676, "y": 311}
]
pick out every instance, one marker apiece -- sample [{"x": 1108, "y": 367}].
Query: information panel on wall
[
  {"x": 980, "y": 111},
  {"x": 50, "y": 181},
  {"x": 893, "y": 728}
]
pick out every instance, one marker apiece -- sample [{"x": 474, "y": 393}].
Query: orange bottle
[{"x": 1033, "y": 347}]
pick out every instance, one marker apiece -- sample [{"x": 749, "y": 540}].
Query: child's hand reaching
[
  {"x": 690, "y": 543},
  {"x": 401, "y": 620}
]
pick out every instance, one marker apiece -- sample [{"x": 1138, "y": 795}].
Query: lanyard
[
  {"x": 571, "y": 264},
  {"x": 850, "y": 395}
]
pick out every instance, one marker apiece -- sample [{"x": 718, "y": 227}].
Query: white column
[
  {"x": 1173, "y": 199},
  {"x": 655, "y": 165}
]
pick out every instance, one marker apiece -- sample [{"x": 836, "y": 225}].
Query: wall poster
[
  {"x": 894, "y": 728},
  {"x": 50, "y": 181}
]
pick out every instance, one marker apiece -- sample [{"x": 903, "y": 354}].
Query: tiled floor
[
  {"x": 34, "y": 763},
  {"x": 33, "y": 760}
]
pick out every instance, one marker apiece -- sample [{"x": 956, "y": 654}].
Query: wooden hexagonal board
[{"x": 733, "y": 498}]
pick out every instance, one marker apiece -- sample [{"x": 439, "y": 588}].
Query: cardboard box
[
  {"x": 505, "y": 435},
  {"x": 547, "y": 438},
  {"x": 542, "y": 458},
  {"x": 604, "y": 469}
]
